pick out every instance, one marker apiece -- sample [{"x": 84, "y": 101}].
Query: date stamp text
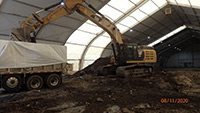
[{"x": 174, "y": 100}]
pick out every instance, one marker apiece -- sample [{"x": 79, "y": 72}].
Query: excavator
[{"x": 128, "y": 59}]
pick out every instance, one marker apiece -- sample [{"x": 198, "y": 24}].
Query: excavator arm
[{"x": 68, "y": 7}]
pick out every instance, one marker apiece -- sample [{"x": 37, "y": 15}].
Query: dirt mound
[
  {"x": 99, "y": 94},
  {"x": 186, "y": 82},
  {"x": 158, "y": 70},
  {"x": 92, "y": 69}
]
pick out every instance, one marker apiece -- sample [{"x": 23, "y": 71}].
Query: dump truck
[{"x": 32, "y": 65}]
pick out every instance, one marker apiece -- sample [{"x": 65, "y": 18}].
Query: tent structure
[{"x": 164, "y": 24}]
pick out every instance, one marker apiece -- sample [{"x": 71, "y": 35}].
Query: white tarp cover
[{"x": 22, "y": 54}]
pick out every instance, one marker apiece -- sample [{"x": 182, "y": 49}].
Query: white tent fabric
[{"x": 20, "y": 54}]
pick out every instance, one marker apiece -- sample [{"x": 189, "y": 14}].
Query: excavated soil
[{"x": 85, "y": 92}]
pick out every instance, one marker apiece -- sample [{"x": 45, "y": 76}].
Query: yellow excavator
[{"x": 129, "y": 59}]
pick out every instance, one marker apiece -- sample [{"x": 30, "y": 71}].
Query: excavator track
[
  {"x": 106, "y": 70},
  {"x": 134, "y": 71}
]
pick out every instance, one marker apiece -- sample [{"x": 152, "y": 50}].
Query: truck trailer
[{"x": 32, "y": 65}]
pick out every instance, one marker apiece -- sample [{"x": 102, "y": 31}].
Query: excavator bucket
[
  {"x": 17, "y": 34},
  {"x": 20, "y": 34}
]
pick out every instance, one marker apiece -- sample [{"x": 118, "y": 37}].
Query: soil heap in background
[{"x": 92, "y": 69}]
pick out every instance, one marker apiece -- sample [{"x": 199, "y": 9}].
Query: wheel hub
[
  {"x": 54, "y": 81},
  {"x": 12, "y": 82},
  {"x": 35, "y": 83}
]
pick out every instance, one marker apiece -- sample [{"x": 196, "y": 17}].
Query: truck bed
[
  {"x": 23, "y": 54},
  {"x": 62, "y": 67}
]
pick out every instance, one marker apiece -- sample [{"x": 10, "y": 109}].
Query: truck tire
[
  {"x": 34, "y": 82},
  {"x": 53, "y": 80},
  {"x": 12, "y": 83}
]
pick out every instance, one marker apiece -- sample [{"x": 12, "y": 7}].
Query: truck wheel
[
  {"x": 53, "y": 80},
  {"x": 34, "y": 82},
  {"x": 12, "y": 83}
]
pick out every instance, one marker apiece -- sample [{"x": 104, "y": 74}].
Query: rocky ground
[{"x": 163, "y": 92}]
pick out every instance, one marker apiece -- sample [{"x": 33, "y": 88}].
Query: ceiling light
[
  {"x": 174, "y": 47},
  {"x": 178, "y": 49},
  {"x": 168, "y": 35},
  {"x": 62, "y": 3},
  {"x": 169, "y": 44},
  {"x": 148, "y": 37},
  {"x": 131, "y": 30}
]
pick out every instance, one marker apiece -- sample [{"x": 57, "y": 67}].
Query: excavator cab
[
  {"x": 133, "y": 52},
  {"x": 130, "y": 53}
]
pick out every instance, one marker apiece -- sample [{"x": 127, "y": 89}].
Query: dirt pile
[
  {"x": 186, "y": 82},
  {"x": 92, "y": 69}
]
